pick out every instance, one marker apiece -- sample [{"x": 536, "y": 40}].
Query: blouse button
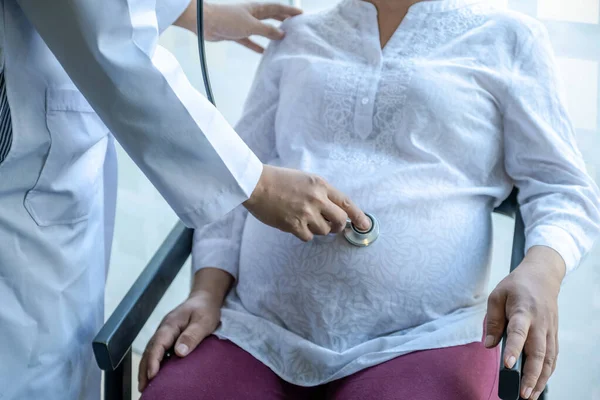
[{"x": 365, "y": 101}]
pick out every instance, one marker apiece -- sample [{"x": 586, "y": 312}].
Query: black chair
[{"x": 112, "y": 345}]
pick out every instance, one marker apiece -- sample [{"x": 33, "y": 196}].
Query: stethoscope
[
  {"x": 353, "y": 235},
  {"x": 359, "y": 237}
]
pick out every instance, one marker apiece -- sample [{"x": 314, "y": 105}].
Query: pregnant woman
[{"x": 427, "y": 114}]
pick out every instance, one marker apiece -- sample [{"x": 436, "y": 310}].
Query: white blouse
[{"x": 429, "y": 134}]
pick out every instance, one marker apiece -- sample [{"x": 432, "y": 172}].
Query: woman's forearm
[{"x": 213, "y": 282}]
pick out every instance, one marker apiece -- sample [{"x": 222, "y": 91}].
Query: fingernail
[
  {"x": 511, "y": 361},
  {"x": 528, "y": 392},
  {"x": 536, "y": 395},
  {"x": 182, "y": 349},
  {"x": 489, "y": 341},
  {"x": 151, "y": 373},
  {"x": 365, "y": 223}
]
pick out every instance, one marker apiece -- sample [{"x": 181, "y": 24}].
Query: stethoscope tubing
[{"x": 354, "y": 236}]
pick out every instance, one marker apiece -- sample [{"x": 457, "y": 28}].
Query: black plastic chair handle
[{"x": 509, "y": 383}]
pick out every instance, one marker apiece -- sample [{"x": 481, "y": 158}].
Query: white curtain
[{"x": 143, "y": 218}]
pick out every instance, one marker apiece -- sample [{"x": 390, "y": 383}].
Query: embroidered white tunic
[{"x": 429, "y": 134}]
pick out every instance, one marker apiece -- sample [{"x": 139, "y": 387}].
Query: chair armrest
[
  {"x": 117, "y": 335},
  {"x": 509, "y": 206},
  {"x": 509, "y": 383}
]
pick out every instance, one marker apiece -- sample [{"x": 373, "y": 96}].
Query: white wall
[{"x": 144, "y": 219}]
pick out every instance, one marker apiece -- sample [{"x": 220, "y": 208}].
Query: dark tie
[{"x": 5, "y": 121}]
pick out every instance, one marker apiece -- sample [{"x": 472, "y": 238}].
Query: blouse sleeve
[
  {"x": 218, "y": 245},
  {"x": 559, "y": 200}
]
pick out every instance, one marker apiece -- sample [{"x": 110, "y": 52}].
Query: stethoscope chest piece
[{"x": 360, "y": 238}]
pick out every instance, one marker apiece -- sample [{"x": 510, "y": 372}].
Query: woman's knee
[
  {"x": 216, "y": 369},
  {"x": 466, "y": 372}
]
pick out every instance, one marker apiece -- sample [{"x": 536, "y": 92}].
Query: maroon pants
[{"x": 220, "y": 370}]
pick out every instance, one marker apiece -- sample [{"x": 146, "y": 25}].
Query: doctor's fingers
[
  {"x": 251, "y": 45},
  {"x": 360, "y": 220},
  {"x": 336, "y": 216},
  {"x": 273, "y": 11},
  {"x": 277, "y": 12},
  {"x": 266, "y": 30},
  {"x": 302, "y": 231},
  {"x": 318, "y": 225}
]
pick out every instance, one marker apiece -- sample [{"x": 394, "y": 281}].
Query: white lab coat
[{"x": 58, "y": 182}]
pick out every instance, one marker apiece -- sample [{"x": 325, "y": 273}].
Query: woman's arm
[
  {"x": 560, "y": 207},
  {"x": 211, "y": 282},
  {"x": 560, "y": 202}
]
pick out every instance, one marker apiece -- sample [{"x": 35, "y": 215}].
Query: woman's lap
[
  {"x": 467, "y": 372},
  {"x": 220, "y": 370}
]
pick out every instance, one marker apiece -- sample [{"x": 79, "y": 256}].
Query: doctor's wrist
[{"x": 188, "y": 19}]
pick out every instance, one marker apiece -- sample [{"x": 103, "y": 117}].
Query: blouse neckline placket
[
  {"x": 366, "y": 91},
  {"x": 375, "y": 57}
]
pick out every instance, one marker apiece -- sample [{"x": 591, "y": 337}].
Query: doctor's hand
[
  {"x": 189, "y": 324},
  {"x": 237, "y": 22},
  {"x": 302, "y": 204},
  {"x": 528, "y": 300}
]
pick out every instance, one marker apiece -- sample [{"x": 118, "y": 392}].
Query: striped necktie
[{"x": 5, "y": 121}]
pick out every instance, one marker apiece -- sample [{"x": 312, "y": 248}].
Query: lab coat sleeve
[
  {"x": 179, "y": 140},
  {"x": 218, "y": 245},
  {"x": 559, "y": 200},
  {"x": 167, "y": 12}
]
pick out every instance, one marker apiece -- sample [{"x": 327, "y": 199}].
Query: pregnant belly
[{"x": 425, "y": 264}]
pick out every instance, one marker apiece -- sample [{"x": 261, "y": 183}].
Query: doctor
[{"x": 71, "y": 72}]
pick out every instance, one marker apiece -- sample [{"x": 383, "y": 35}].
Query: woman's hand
[
  {"x": 188, "y": 324},
  {"x": 528, "y": 299},
  {"x": 237, "y": 22}
]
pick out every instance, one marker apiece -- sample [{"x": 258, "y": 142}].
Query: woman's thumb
[{"x": 191, "y": 337}]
